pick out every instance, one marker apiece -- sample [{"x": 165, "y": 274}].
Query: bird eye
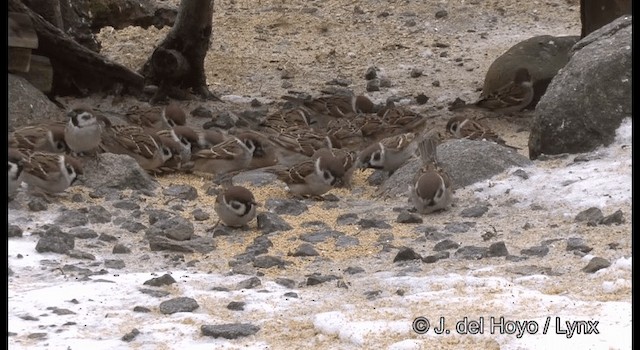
[
  {"x": 327, "y": 175},
  {"x": 376, "y": 156},
  {"x": 235, "y": 205},
  {"x": 60, "y": 146},
  {"x": 69, "y": 169},
  {"x": 85, "y": 117}
]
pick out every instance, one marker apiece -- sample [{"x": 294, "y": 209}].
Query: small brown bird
[
  {"x": 236, "y": 206},
  {"x": 228, "y": 156},
  {"x": 389, "y": 154},
  {"x": 432, "y": 188},
  {"x": 512, "y": 97},
  {"x": 146, "y": 148},
  {"x": 50, "y": 173},
  {"x": 462, "y": 127},
  {"x": 83, "y": 132},
  {"x": 312, "y": 177},
  {"x": 16, "y": 165},
  {"x": 45, "y": 137}
]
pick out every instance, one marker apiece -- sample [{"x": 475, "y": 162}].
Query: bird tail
[{"x": 427, "y": 148}]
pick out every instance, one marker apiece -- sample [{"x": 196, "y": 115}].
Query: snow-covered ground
[{"x": 325, "y": 316}]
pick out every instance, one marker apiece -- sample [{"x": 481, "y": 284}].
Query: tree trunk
[
  {"x": 596, "y": 13},
  {"x": 177, "y": 64}
]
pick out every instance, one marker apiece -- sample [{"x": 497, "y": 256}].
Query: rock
[
  {"x": 121, "y": 249},
  {"x": 285, "y": 282},
  {"x": 446, "y": 245},
  {"x": 304, "y": 249},
  {"x": 352, "y": 270},
  {"x": 201, "y": 112},
  {"x": 372, "y": 294},
  {"x": 542, "y": 55},
  {"x": 164, "y": 280},
  {"x": 471, "y": 252},
  {"x": 28, "y": 105},
  {"x": 415, "y": 73},
  {"x": 291, "y": 295},
  {"x": 406, "y": 217},
  {"x": 99, "y": 215},
  {"x": 540, "y": 251},
  {"x": 591, "y": 216},
  {"x": 406, "y": 254},
  {"x": 373, "y": 223},
  {"x": 176, "y": 228},
  {"x": 184, "y": 192},
  {"x": 320, "y": 236},
  {"x": 257, "y": 178},
  {"x": 474, "y": 212},
  {"x": 616, "y": 218},
  {"x": 77, "y": 254},
  {"x": 236, "y": 305},
  {"x": 577, "y": 243},
  {"x": 347, "y": 219},
  {"x": 201, "y": 245},
  {"x": 590, "y": 96},
  {"x": 14, "y": 231},
  {"x": 154, "y": 292},
  {"x": 131, "y": 335},
  {"x": 268, "y": 261},
  {"x": 105, "y": 237},
  {"x": 285, "y": 206},
  {"x": 37, "y": 204},
  {"x": 133, "y": 226},
  {"x": 127, "y": 205},
  {"x": 229, "y": 330},
  {"x": 271, "y": 222},
  {"x": 498, "y": 249},
  {"x": 249, "y": 283},
  {"x": 466, "y": 161},
  {"x": 442, "y": 14},
  {"x": 114, "y": 264},
  {"x": 316, "y": 278},
  {"x": 55, "y": 241},
  {"x": 225, "y": 120},
  {"x": 521, "y": 174},
  {"x": 373, "y": 85},
  {"x": 371, "y": 73},
  {"x": 72, "y": 218},
  {"x": 179, "y": 304},
  {"x": 596, "y": 264},
  {"x": 422, "y": 99},
  {"x": 458, "y": 227},
  {"x": 116, "y": 171},
  {"x": 200, "y": 215},
  {"x": 83, "y": 233},
  {"x": 344, "y": 241},
  {"x": 430, "y": 259},
  {"x": 156, "y": 215}
]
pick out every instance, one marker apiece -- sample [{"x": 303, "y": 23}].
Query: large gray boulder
[
  {"x": 115, "y": 171},
  {"x": 466, "y": 161},
  {"x": 28, "y": 105},
  {"x": 590, "y": 96}
]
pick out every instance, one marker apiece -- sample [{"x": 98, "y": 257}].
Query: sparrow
[
  {"x": 401, "y": 119},
  {"x": 282, "y": 119},
  {"x": 145, "y": 147},
  {"x": 236, "y": 206},
  {"x": 231, "y": 155},
  {"x": 84, "y": 130},
  {"x": 512, "y": 97},
  {"x": 311, "y": 177},
  {"x": 347, "y": 158},
  {"x": 180, "y": 153},
  {"x": 49, "y": 173},
  {"x": 46, "y": 137},
  {"x": 16, "y": 165},
  {"x": 296, "y": 144},
  {"x": 208, "y": 138},
  {"x": 388, "y": 154},
  {"x": 467, "y": 128},
  {"x": 337, "y": 106},
  {"x": 171, "y": 115},
  {"x": 432, "y": 187}
]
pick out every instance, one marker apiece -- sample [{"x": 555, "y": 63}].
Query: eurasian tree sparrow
[
  {"x": 50, "y": 173},
  {"x": 312, "y": 177},
  {"x": 134, "y": 141},
  {"x": 46, "y": 137},
  {"x": 337, "y": 106},
  {"x": 228, "y": 156},
  {"x": 388, "y": 154},
  {"x": 348, "y": 159},
  {"x": 462, "y": 127},
  {"x": 296, "y": 144},
  {"x": 512, "y": 97},
  {"x": 432, "y": 188},
  {"x": 84, "y": 130},
  {"x": 235, "y": 206},
  {"x": 173, "y": 115}
]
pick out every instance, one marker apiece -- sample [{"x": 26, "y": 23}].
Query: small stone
[
  {"x": 352, "y": 270},
  {"x": 521, "y": 174},
  {"x": 131, "y": 335},
  {"x": 121, "y": 249},
  {"x": 133, "y": 226},
  {"x": 141, "y": 309},
  {"x": 406, "y": 217},
  {"x": 317, "y": 278},
  {"x": 184, "y": 192},
  {"x": 372, "y": 294},
  {"x": 55, "y": 241},
  {"x": 271, "y": 222},
  {"x": 83, "y": 233},
  {"x": 371, "y": 73},
  {"x": 286, "y": 84},
  {"x": 540, "y": 251},
  {"x": 77, "y": 254},
  {"x": 105, "y": 237},
  {"x": 596, "y": 264},
  {"x": 304, "y": 249},
  {"x": 474, "y": 212},
  {"x": 422, "y": 99},
  {"x": 616, "y": 218},
  {"x": 236, "y": 305},
  {"x": 347, "y": 219},
  {"x": 99, "y": 215},
  {"x": 229, "y": 330},
  {"x": 591, "y": 216},
  {"x": 249, "y": 283},
  {"x": 291, "y": 295},
  {"x": 154, "y": 292},
  {"x": 385, "y": 83},
  {"x": 200, "y": 215},
  {"x": 578, "y": 244},
  {"x": 498, "y": 249},
  {"x": 415, "y": 73},
  {"x": 126, "y": 205},
  {"x": 436, "y": 83},
  {"x": 72, "y": 218},
  {"x": 458, "y": 227},
  {"x": 446, "y": 245},
  {"x": 320, "y": 236},
  {"x": 14, "y": 231},
  {"x": 286, "y": 206},
  {"x": 114, "y": 264},
  {"x": 344, "y": 241},
  {"x": 268, "y": 261},
  {"x": 471, "y": 252},
  {"x": 373, "y": 85},
  {"x": 285, "y": 282},
  {"x": 37, "y": 204},
  {"x": 430, "y": 259},
  {"x": 164, "y": 280},
  {"x": 442, "y": 14},
  {"x": 286, "y": 74},
  {"x": 179, "y": 304},
  {"x": 406, "y": 254},
  {"x": 373, "y": 223},
  {"x": 410, "y": 23},
  {"x": 202, "y": 112}
]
